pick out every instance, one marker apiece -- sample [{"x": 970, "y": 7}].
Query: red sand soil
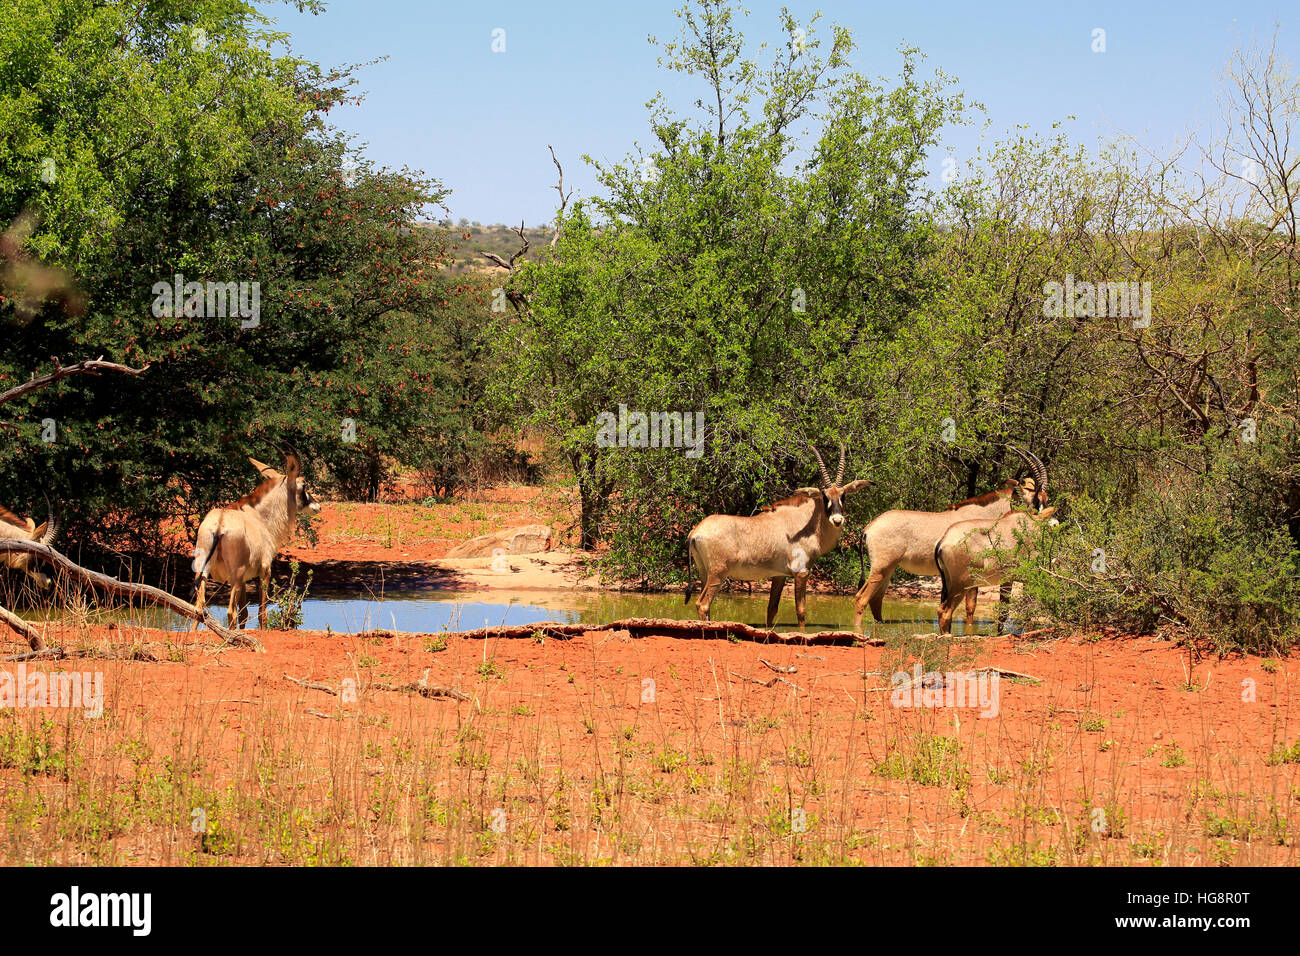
[
  {"x": 662, "y": 749},
  {"x": 712, "y": 768}
]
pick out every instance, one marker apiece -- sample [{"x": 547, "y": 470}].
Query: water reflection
[{"x": 427, "y": 611}]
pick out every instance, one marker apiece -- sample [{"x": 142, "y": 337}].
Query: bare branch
[
  {"x": 85, "y": 367},
  {"x": 509, "y": 266},
  {"x": 564, "y": 198}
]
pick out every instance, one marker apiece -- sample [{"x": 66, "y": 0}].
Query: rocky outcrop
[{"x": 528, "y": 539}]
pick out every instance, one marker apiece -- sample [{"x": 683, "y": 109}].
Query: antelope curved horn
[
  {"x": 263, "y": 469},
  {"x": 1040, "y": 472},
  {"x": 1036, "y": 466},
  {"x": 826, "y": 475},
  {"x": 839, "y": 475},
  {"x": 51, "y": 522}
]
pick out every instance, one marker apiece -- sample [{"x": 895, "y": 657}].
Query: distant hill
[{"x": 501, "y": 239}]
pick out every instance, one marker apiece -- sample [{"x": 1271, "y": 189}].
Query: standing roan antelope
[
  {"x": 12, "y": 526},
  {"x": 775, "y": 544},
  {"x": 238, "y": 543},
  {"x": 975, "y": 554},
  {"x": 906, "y": 539}
]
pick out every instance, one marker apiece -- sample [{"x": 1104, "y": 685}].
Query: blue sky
[{"x": 577, "y": 75}]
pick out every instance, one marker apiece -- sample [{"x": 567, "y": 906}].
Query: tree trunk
[{"x": 589, "y": 501}]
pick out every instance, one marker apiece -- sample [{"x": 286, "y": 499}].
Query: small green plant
[
  {"x": 1284, "y": 754},
  {"x": 1174, "y": 756},
  {"x": 933, "y": 761},
  {"x": 490, "y": 669},
  {"x": 434, "y": 643},
  {"x": 286, "y": 614},
  {"x": 1093, "y": 724}
]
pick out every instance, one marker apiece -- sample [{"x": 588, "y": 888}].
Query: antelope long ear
[
  {"x": 1046, "y": 513},
  {"x": 856, "y": 485},
  {"x": 266, "y": 471},
  {"x": 38, "y": 532},
  {"x": 810, "y": 491},
  {"x": 292, "y": 467}
]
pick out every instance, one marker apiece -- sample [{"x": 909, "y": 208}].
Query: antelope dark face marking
[{"x": 305, "y": 500}]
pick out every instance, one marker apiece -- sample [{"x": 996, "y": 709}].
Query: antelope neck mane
[
  {"x": 985, "y": 499},
  {"x": 259, "y": 494},
  {"x": 792, "y": 501}
]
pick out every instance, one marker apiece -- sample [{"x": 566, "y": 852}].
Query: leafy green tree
[
  {"x": 751, "y": 267},
  {"x": 150, "y": 140}
]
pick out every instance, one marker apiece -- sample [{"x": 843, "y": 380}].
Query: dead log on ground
[
  {"x": 145, "y": 592},
  {"x": 640, "y": 627}
]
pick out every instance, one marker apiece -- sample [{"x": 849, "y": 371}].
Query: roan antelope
[
  {"x": 975, "y": 554},
  {"x": 238, "y": 543},
  {"x": 775, "y": 544},
  {"x": 12, "y": 526},
  {"x": 906, "y": 539}
]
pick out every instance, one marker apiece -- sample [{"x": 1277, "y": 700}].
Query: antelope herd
[{"x": 970, "y": 544}]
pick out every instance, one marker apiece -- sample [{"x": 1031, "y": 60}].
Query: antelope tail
[
  {"x": 203, "y": 556},
  {"x": 690, "y": 571},
  {"x": 943, "y": 573},
  {"x": 862, "y": 567}
]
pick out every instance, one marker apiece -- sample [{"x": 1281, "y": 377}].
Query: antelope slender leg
[
  {"x": 872, "y": 594},
  {"x": 972, "y": 598},
  {"x": 261, "y": 611},
  {"x": 711, "y": 587},
  {"x": 1004, "y": 605},
  {"x": 200, "y": 599},
  {"x": 801, "y": 597},
  {"x": 774, "y": 599},
  {"x": 946, "y": 611}
]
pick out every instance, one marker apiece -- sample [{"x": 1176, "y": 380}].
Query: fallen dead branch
[
  {"x": 1024, "y": 635},
  {"x": 421, "y": 687},
  {"x": 766, "y": 683},
  {"x": 143, "y": 592},
  {"x": 106, "y": 654},
  {"x": 31, "y": 634},
  {"x": 312, "y": 685},
  {"x": 1014, "y": 675},
  {"x": 641, "y": 627},
  {"x": 780, "y": 670}
]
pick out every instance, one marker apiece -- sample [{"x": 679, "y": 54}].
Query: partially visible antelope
[
  {"x": 238, "y": 543},
  {"x": 975, "y": 554},
  {"x": 24, "y": 529},
  {"x": 906, "y": 539},
  {"x": 775, "y": 544}
]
